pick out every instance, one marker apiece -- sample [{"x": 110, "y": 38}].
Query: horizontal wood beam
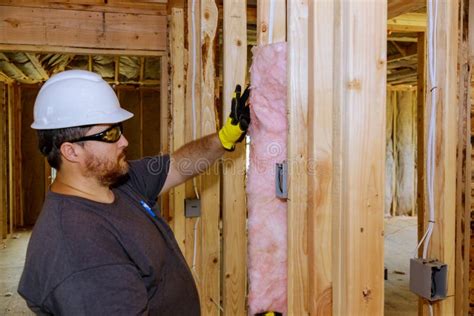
[
  {"x": 147, "y": 7},
  {"x": 409, "y": 22},
  {"x": 81, "y": 29},
  {"x": 402, "y": 39},
  {"x": 77, "y": 50},
  {"x": 399, "y": 7}
]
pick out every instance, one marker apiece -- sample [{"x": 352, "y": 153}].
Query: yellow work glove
[{"x": 237, "y": 123}]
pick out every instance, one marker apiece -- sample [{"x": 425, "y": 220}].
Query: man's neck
[{"x": 88, "y": 188}]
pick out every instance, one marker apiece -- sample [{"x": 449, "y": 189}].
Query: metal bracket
[{"x": 281, "y": 180}]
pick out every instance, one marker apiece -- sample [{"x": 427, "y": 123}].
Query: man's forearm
[{"x": 196, "y": 156}]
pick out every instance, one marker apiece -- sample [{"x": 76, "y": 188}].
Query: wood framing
[
  {"x": 117, "y": 6},
  {"x": 297, "y": 101},
  {"x": 421, "y": 135},
  {"x": 399, "y": 7},
  {"x": 177, "y": 60},
  {"x": 463, "y": 167},
  {"x": 81, "y": 29},
  {"x": 271, "y": 21},
  {"x": 3, "y": 160},
  {"x": 442, "y": 244},
  {"x": 234, "y": 208},
  {"x": 409, "y": 22},
  {"x": 210, "y": 181},
  {"x": 358, "y": 156}
]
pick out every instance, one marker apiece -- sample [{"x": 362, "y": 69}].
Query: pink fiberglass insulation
[{"x": 267, "y": 223}]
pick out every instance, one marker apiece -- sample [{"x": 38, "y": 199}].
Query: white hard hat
[{"x": 76, "y": 98}]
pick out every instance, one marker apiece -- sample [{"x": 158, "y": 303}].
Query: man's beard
[{"x": 107, "y": 172}]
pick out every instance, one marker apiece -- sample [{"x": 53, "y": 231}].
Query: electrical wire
[{"x": 430, "y": 168}]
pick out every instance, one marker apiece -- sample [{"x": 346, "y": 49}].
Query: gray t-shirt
[{"x": 91, "y": 258}]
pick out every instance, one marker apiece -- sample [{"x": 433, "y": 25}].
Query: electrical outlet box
[
  {"x": 428, "y": 278},
  {"x": 281, "y": 176},
  {"x": 192, "y": 208}
]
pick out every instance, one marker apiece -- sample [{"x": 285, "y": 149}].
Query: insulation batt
[{"x": 267, "y": 218}]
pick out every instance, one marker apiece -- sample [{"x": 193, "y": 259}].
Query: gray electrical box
[
  {"x": 428, "y": 278},
  {"x": 281, "y": 183},
  {"x": 192, "y": 208}
]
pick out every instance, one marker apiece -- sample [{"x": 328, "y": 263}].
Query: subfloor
[
  {"x": 400, "y": 243},
  {"x": 12, "y": 258}
]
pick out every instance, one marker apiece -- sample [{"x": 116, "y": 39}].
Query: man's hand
[{"x": 237, "y": 123}]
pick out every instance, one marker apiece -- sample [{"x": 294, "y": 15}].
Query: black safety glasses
[{"x": 110, "y": 135}]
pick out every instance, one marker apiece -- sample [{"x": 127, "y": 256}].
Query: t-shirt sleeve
[
  {"x": 104, "y": 290},
  {"x": 148, "y": 175}
]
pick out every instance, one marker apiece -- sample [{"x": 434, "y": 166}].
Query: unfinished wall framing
[{"x": 336, "y": 147}]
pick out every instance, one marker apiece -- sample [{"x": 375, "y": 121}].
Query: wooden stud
[
  {"x": 3, "y": 159},
  {"x": 359, "y": 157},
  {"x": 177, "y": 58},
  {"x": 117, "y": 69},
  {"x": 394, "y": 100},
  {"x": 234, "y": 208},
  {"x": 297, "y": 157},
  {"x": 164, "y": 125},
  {"x": 164, "y": 106},
  {"x": 210, "y": 181},
  {"x": 442, "y": 244},
  {"x": 89, "y": 63},
  {"x": 463, "y": 167},
  {"x": 421, "y": 128},
  {"x": 264, "y": 14},
  {"x": 320, "y": 164}
]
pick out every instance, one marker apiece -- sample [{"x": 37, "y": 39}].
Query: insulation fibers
[
  {"x": 405, "y": 192},
  {"x": 389, "y": 162},
  {"x": 267, "y": 218}
]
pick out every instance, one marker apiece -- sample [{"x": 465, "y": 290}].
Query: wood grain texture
[
  {"x": 81, "y": 29},
  {"x": 210, "y": 181},
  {"x": 463, "y": 167},
  {"x": 234, "y": 207},
  {"x": 359, "y": 157},
  {"x": 398, "y": 7},
  {"x": 177, "y": 59},
  {"x": 3, "y": 160},
  {"x": 298, "y": 289},
  {"x": 32, "y": 164},
  {"x": 421, "y": 127},
  {"x": 263, "y": 21},
  {"x": 442, "y": 244},
  {"x": 320, "y": 155}
]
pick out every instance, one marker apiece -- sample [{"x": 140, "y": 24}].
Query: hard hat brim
[{"x": 95, "y": 118}]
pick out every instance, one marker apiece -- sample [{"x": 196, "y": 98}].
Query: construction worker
[{"x": 99, "y": 247}]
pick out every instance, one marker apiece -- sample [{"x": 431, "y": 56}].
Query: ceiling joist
[
  {"x": 409, "y": 22},
  {"x": 399, "y": 7},
  {"x": 39, "y": 68}
]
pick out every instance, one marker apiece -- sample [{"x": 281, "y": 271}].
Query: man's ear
[{"x": 70, "y": 151}]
